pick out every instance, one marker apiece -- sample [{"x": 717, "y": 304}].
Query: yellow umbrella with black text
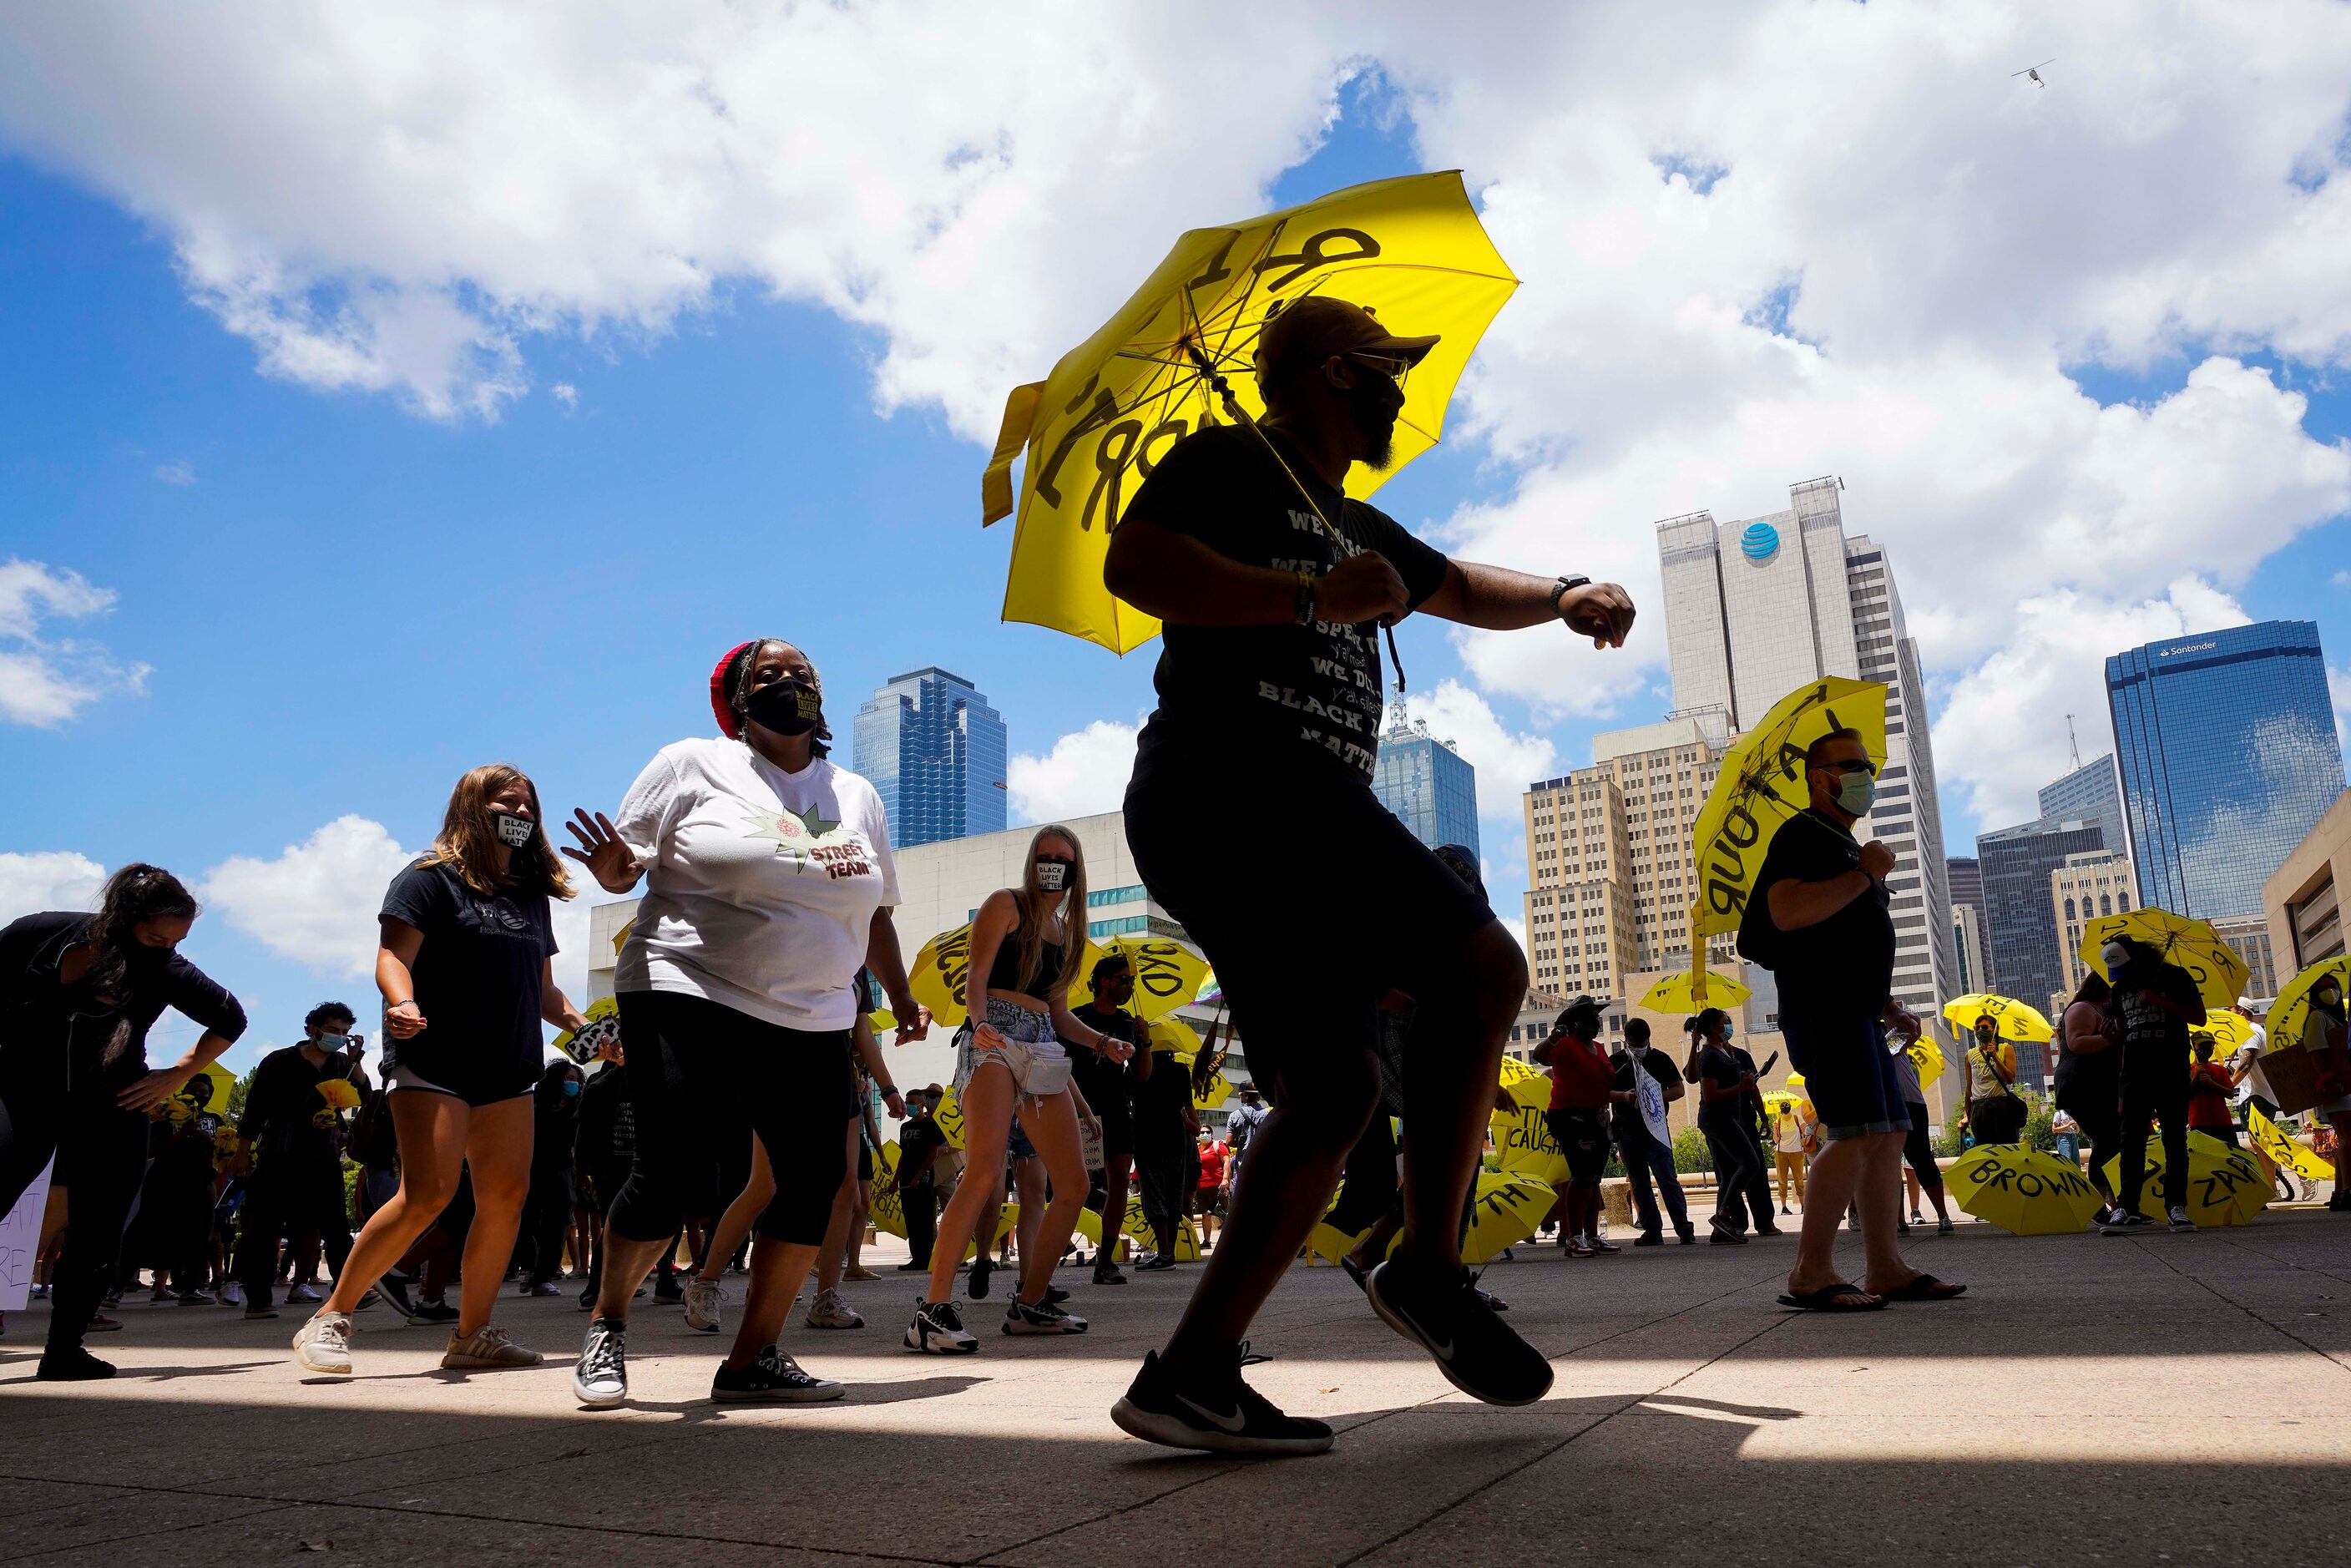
[
  {"x": 2218, "y": 972},
  {"x": 2014, "y": 1020},
  {"x": 2223, "y": 1185},
  {"x": 1167, "y": 974},
  {"x": 2289, "y": 1015},
  {"x": 2022, "y": 1190}
]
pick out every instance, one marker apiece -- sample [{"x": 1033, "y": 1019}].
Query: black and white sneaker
[
  {"x": 1107, "y": 1272},
  {"x": 2180, "y": 1220},
  {"x": 1221, "y": 1415},
  {"x": 2119, "y": 1222},
  {"x": 1478, "y": 1352},
  {"x": 937, "y": 1330},
  {"x": 600, "y": 1378},
  {"x": 774, "y": 1379},
  {"x": 394, "y": 1291},
  {"x": 1045, "y": 1317}
]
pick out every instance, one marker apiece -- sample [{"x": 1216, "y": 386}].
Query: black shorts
[
  {"x": 1302, "y": 989},
  {"x": 1583, "y": 1137},
  {"x": 864, "y": 1160}
]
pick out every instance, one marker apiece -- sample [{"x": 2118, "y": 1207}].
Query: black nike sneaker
[
  {"x": 1220, "y": 1413},
  {"x": 1478, "y": 1352}
]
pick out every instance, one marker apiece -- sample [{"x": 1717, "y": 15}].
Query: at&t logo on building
[{"x": 1758, "y": 542}]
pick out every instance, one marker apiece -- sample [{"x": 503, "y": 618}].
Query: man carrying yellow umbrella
[
  {"x": 1272, "y": 585},
  {"x": 2156, "y": 1003}
]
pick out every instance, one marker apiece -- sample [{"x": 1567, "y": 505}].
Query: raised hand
[
  {"x": 1600, "y": 610},
  {"x": 607, "y": 860}
]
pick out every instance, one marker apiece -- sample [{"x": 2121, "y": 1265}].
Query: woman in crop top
[{"x": 1025, "y": 945}]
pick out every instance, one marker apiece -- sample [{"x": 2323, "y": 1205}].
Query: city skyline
[
  {"x": 1427, "y": 782},
  {"x": 935, "y": 751}
]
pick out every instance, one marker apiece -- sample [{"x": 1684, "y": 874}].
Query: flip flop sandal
[
  {"x": 1925, "y": 1288},
  {"x": 1841, "y": 1297}
]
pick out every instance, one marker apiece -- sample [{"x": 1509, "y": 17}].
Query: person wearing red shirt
[
  {"x": 1583, "y": 1087},
  {"x": 1211, "y": 1185},
  {"x": 2210, "y": 1085}
]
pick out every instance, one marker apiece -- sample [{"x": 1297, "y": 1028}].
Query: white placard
[{"x": 20, "y": 1243}]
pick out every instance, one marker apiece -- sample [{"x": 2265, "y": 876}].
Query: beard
[{"x": 1375, "y": 423}]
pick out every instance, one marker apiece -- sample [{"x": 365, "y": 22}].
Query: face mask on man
[
  {"x": 788, "y": 706},
  {"x": 2118, "y": 964},
  {"x": 335, "y": 1040},
  {"x": 513, "y": 832},
  {"x": 571, "y": 1087},
  {"x": 1856, "y": 792},
  {"x": 1054, "y": 871}
]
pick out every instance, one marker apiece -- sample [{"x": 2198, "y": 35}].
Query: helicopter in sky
[{"x": 2034, "y": 71}]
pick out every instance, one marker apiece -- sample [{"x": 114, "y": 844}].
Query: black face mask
[
  {"x": 789, "y": 706},
  {"x": 1054, "y": 872}
]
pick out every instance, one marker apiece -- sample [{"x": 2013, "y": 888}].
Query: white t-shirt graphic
[{"x": 760, "y": 885}]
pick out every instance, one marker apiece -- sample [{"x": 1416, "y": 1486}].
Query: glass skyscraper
[
  {"x": 2228, "y": 758},
  {"x": 935, "y": 752},
  {"x": 2091, "y": 793},
  {"x": 1427, "y": 785}
]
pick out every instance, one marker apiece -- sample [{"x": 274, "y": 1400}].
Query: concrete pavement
[{"x": 2174, "y": 1397}]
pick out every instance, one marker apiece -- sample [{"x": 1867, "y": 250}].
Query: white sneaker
[
  {"x": 487, "y": 1346},
  {"x": 937, "y": 1330},
  {"x": 324, "y": 1344},
  {"x": 2180, "y": 1220},
  {"x": 232, "y": 1293},
  {"x": 830, "y": 1310},
  {"x": 305, "y": 1295},
  {"x": 600, "y": 1378},
  {"x": 702, "y": 1299}
]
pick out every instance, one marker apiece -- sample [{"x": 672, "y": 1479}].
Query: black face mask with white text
[{"x": 788, "y": 706}]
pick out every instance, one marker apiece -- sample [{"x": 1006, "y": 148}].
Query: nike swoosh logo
[{"x": 1232, "y": 1423}]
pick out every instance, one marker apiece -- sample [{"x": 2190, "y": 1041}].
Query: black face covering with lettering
[{"x": 788, "y": 706}]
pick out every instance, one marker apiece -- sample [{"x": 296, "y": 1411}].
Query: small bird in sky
[{"x": 2034, "y": 71}]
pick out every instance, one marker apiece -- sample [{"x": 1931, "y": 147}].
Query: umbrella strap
[{"x": 1240, "y": 415}]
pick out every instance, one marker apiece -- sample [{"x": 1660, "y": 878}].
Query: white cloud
[
  {"x": 2338, "y": 684},
  {"x": 46, "y": 680},
  {"x": 1507, "y": 761},
  {"x": 1084, "y": 774},
  {"x": 48, "y": 879},
  {"x": 316, "y": 903},
  {"x": 566, "y": 393},
  {"x": 177, "y": 472}
]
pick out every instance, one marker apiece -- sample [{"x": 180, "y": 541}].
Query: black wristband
[{"x": 1560, "y": 592}]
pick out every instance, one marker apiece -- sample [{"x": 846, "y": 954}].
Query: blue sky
[{"x": 343, "y": 603}]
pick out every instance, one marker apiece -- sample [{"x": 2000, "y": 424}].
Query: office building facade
[
  {"x": 2303, "y": 898},
  {"x": 2092, "y": 793},
  {"x": 2248, "y": 936},
  {"x": 935, "y": 751},
  {"x": 2021, "y": 926},
  {"x": 1755, "y": 609},
  {"x": 2085, "y": 887},
  {"x": 1971, "y": 971},
  {"x": 2229, "y": 757},
  {"x": 1430, "y": 786}
]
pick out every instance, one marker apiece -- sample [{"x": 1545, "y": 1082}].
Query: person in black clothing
[
  {"x": 1723, "y": 1083},
  {"x": 1164, "y": 1123},
  {"x": 1757, "y": 1193},
  {"x": 172, "y": 1230},
  {"x": 2089, "y": 1080},
  {"x": 1105, "y": 1085},
  {"x": 2155, "y": 1005},
  {"x": 294, "y": 1137},
  {"x": 604, "y": 1144},
  {"x": 1644, "y": 1138},
  {"x": 77, "y": 994},
  {"x": 1273, "y": 587},
  {"x": 546, "y": 1210},
  {"x": 916, "y": 1178},
  {"x": 1820, "y": 916},
  {"x": 465, "y": 967}
]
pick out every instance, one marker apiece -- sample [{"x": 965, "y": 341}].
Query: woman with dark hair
[
  {"x": 1025, "y": 945},
  {"x": 2089, "y": 1079},
  {"x": 77, "y": 994},
  {"x": 465, "y": 961},
  {"x": 1722, "y": 1089},
  {"x": 554, "y": 1190},
  {"x": 767, "y": 881}
]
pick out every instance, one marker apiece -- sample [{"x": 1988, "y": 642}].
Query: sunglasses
[
  {"x": 1858, "y": 764},
  {"x": 1395, "y": 367}
]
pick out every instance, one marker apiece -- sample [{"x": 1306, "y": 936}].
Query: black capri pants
[
  {"x": 704, "y": 1077},
  {"x": 1919, "y": 1150}
]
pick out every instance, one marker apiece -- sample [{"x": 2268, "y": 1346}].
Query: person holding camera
[{"x": 1819, "y": 917}]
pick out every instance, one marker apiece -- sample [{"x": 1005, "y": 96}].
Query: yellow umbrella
[
  {"x": 2015, "y": 1020},
  {"x": 2282, "y": 1150},
  {"x": 1761, "y": 785},
  {"x": 1509, "y": 1208},
  {"x": 2192, "y": 944},
  {"x": 1779, "y": 1101},
  {"x": 949, "y": 1117},
  {"x": 2022, "y": 1190},
  {"x": 1515, "y": 1073},
  {"x": 1676, "y": 994},
  {"x": 207, "y": 1089},
  {"x": 1175, "y": 1035},
  {"x": 1176, "y": 357},
  {"x": 1527, "y": 1147},
  {"x": 942, "y": 965},
  {"x": 1135, "y": 1227},
  {"x": 2229, "y": 1033},
  {"x": 889, "y": 1210},
  {"x": 1215, "y": 1093},
  {"x": 1796, "y": 1081},
  {"x": 1926, "y": 1056},
  {"x": 2289, "y": 1020},
  {"x": 1167, "y": 974},
  {"x": 2224, "y": 1186}
]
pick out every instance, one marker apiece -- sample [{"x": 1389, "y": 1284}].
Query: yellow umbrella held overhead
[
  {"x": 2192, "y": 945},
  {"x": 1761, "y": 785},
  {"x": 2230, "y": 1033},
  {"x": 1176, "y": 358},
  {"x": 1167, "y": 974},
  {"x": 2290, "y": 1015},
  {"x": 2022, "y": 1190},
  {"x": 1676, "y": 994},
  {"x": 2016, "y": 1020}
]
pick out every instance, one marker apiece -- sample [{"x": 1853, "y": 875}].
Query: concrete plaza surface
[{"x": 2181, "y": 1398}]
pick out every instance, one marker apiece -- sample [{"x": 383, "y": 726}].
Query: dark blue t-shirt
[{"x": 478, "y": 978}]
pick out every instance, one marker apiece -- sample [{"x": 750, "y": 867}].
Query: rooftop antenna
[{"x": 2072, "y": 744}]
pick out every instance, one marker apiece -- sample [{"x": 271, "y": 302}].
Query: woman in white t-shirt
[{"x": 767, "y": 883}]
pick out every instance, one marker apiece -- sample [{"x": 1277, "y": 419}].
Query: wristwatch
[
  {"x": 1304, "y": 607},
  {"x": 1560, "y": 592}
]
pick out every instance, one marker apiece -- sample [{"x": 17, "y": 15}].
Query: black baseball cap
[{"x": 1308, "y": 331}]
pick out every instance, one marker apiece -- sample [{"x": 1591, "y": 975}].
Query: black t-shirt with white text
[
  {"x": 2154, "y": 1038},
  {"x": 1653, "y": 1062},
  {"x": 478, "y": 976},
  {"x": 1840, "y": 966},
  {"x": 1298, "y": 699}
]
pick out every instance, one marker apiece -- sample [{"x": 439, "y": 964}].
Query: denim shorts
[
  {"x": 1848, "y": 1076},
  {"x": 1038, "y": 1063}
]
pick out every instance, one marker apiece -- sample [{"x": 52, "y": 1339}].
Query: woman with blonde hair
[
  {"x": 465, "y": 962},
  {"x": 1026, "y": 945}
]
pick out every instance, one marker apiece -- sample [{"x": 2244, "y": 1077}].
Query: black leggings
[
  {"x": 1919, "y": 1150},
  {"x": 702, "y": 1078},
  {"x": 2096, "y": 1107},
  {"x": 291, "y": 1193},
  {"x": 2159, "y": 1097},
  {"x": 1737, "y": 1163},
  {"x": 102, "y": 1155}
]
